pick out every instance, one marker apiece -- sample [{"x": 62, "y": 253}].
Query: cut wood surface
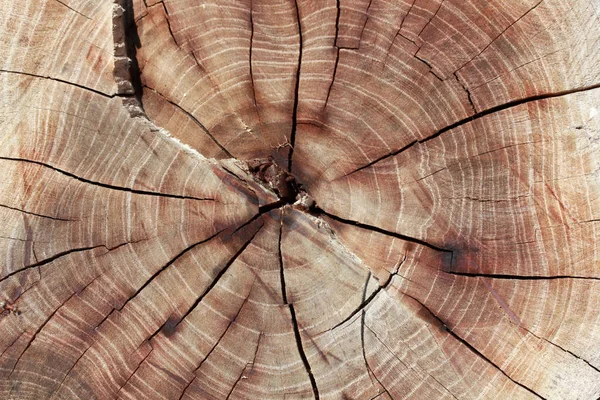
[{"x": 300, "y": 199}]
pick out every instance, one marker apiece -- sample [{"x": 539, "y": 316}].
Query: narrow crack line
[
  {"x": 231, "y": 321},
  {"x": 469, "y": 346},
  {"x": 468, "y": 92},
  {"x": 337, "y": 22},
  {"x": 53, "y": 258},
  {"x": 337, "y": 56},
  {"x": 520, "y": 277},
  {"x": 364, "y": 353},
  {"x": 169, "y": 23},
  {"x": 363, "y": 317},
  {"x": 295, "y": 326},
  {"x": 35, "y": 334},
  {"x": 167, "y": 265},
  {"x": 429, "y": 66},
  {"x": 217, "y": 278},
  {"x": 109, "y": 96},
  {"x": 380, "y": 230},
  {"x": 481, "y": 114},
  {"x": 382, "y": 158},
  {"x": 134, "y": 371},
  {"x": 500, "y": 34},
  {"x": 365, "y": 24},
  {"x": 74, "y": 10},
  {"x": 281, "y": 271},
  {"x": 250, "y": 54},
  {"x": 434, "y": 15},
  {"x": 366, "y": 301},
  {"x": 106, "y": 185},
  {"x": 292, "y": 141},
  {"x": 563, "y": 349},
  {"x": 91, "y": 330},
  {"x": 35, "y": 214},
  {"x": 404, "y": 19},
  {"x": 67, "y": 375},
  {"x": 10, "y": 345},
  {"x": 419, "y": 371},
  {"x": 251, "y": 364},
  {"x": 195, "y": 120}
]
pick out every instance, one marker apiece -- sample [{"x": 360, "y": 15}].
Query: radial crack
[
  {"x": 110, "y": 96},
  {"x": 167, "y": 265},
  {"x": 520, "y": 277},
  {"x": 231, "y": 321},
  {"x": 295, "y": 326},
  {"x": 74, "y": 10},
  {"x": 477, "y": 116},
  {"x": 251, "y": 364},
  {"x": 35, "y": 214},
  {"x": 250, "y": 54},
  {"x": 469, "y": 346},
  {"x": 56, "y": 257},
  {"x": 337, "y": 56},
  {"x": 296, "y": 90},
  {"x": 106, "y": 185},
  {"x": 366, "y": 301},
  {"x": 134, "y": 371},
  {"x": 217, "y": 278},
  {"x": 407, "y": 366},
  {"x": 195, "y": 120},
  {"x": 380, "y": 230},
  {"x": 497, "y": 36},
  {"x": 563, "y": 349}
]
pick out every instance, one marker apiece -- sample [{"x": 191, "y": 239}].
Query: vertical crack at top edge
[{"x": 296, "y": 91}]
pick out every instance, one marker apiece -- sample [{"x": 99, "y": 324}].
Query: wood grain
[{"x": 294, "y": 199}]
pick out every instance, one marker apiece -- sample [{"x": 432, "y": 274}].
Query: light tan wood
[{"x": 279, "y": 199}]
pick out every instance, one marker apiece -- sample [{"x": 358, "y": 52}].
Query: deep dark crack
[
  {"x": 295, "y": 326},
  {"x": 296, "y": 91}
]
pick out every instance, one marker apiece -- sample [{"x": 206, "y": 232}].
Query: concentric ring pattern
[{"x": 451, "y": 148}]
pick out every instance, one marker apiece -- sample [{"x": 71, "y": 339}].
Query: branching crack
[
  {"x": 106, "y": 185},
  {"x": 366, "y": 301},
  {"x": 295, "y": 326}
]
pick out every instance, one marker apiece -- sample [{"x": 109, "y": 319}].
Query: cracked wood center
[{"x": 300, "y": 199}]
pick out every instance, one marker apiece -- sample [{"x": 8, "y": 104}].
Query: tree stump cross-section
[{"x": 300, "y": 199}]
